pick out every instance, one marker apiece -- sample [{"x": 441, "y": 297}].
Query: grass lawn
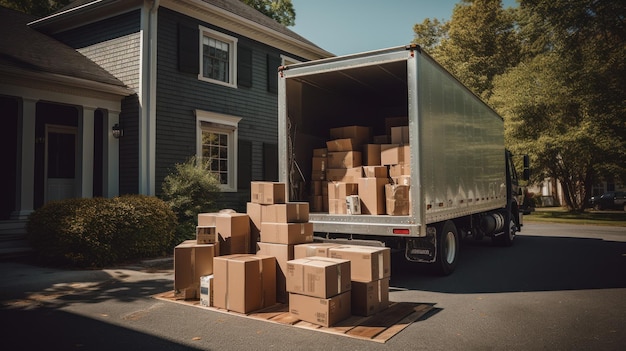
[{"x": 561, "y": 215}]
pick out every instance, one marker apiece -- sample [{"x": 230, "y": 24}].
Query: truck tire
[
  {"x": 506, "y": 238},
  {"x": 447, "y": 248}
]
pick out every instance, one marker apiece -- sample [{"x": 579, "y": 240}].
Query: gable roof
[{"x": 26, "y": 50}]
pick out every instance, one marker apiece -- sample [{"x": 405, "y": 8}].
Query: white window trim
[
  {"x": 229, "y": 123},
  {"x": 232, "y": 56}
]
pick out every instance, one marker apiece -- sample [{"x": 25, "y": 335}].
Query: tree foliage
[
  {"x": 281, "y": 11},
  {"x": 35, "y": 7}
]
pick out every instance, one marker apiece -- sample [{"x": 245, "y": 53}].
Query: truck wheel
[
  {"x": 506, "y": 238},
  {"x": 447, "y": 248}
]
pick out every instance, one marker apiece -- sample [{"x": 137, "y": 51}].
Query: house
[{"x": 104, "y": 97}]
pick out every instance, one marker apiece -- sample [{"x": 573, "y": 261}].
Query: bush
[
  {"x": 189, "y": 190},
  {"x": 99, "y": 232}
]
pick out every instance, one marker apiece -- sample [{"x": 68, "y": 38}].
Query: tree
[
  {"x": 281, "y": 11},
  {"x": 35, "y": 7}
]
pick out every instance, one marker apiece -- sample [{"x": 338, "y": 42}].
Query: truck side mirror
[{"x": 526, "y": 175}]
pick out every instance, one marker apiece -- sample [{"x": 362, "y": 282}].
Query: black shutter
[
  {"x": 244, "y": 66},
  {"x": 244, "y": 164},
  {"x": 188, "y": 49},
  {"x": 270, "y": 162},
  {"x": 273, "y": 62}
]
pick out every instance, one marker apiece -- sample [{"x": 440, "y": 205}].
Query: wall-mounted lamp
[{"x": 118, "y": 132}]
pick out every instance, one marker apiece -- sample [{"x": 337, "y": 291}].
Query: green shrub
[
  {"x": 189, "y": 190},
  {"x": 99, "y": 232}
]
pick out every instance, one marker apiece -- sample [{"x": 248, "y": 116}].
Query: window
[
  {"x": 217, "y": 144},
  {"x": 219, "y": 56}
]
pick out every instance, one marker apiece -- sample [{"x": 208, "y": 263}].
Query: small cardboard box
[
  {"x": 268, "y": 193},
  {"x": 319, "y": 164},
  {"x": 347, "y": 175},
  {"x": 397, "y": 198},
  {"x": 206, "y": 235},
  {"x": 369, "y": 298},
  {"x": 400, "y": 170},
  {"x": 291, "y": 212},
  {"x": 206, "y": 290},
  {"x": 347, "y": 144},
  {"x": 244, "y": 283},
  {"x": 254, "y": 211},
  {"x": 368, "y": 263},
  {"x": 313, "y": 249},
  {"x": 360, "y": 134},
  {"x": 286, "y": 233},
  {"x": 324, "y": 312},
  {"x": 400, "y": 135},
  {"x": 372, "y": 194},
  {"x": 375, "y": 172},
  {"x": 339, "y": 190},
  {"x": 393, "y": 154},
  {"x": 282, "y": 253},
  {"x": 371, "y": 155},
  {"x": 191, "y": 261},
  {"x": 320, "y": 152},
  {"x": 344, "y": 159},
  {"x": 318, "y": 276}
]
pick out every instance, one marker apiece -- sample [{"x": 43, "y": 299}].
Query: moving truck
[{"x": 462, "y": 180}]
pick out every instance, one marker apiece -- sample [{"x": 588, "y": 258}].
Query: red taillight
[{"x": 401, "y": 231}]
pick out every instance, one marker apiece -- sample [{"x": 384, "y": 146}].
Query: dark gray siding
[
  {"x": 180, "y": 94},
  {"x": 108, "y": 29}
]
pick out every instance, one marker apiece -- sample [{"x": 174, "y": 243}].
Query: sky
[{"x": 351, "y": 26}]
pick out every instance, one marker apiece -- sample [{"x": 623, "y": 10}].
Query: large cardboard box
[
  {"x": 282, "y": 253},
  {"x": 397, "y": 199},
  {"x": 324, "y": 312},
  {"x": 191, "y": 261},
  {"x": 233, "y": 232},
  {"x": 369, "y": 298},
  {"x": 393, "y": 154},
  {"x": 372, "y": 194},
  {"x": 371, "y": 155},
  {"x": 318, "y": 276},
  {"x": 286, "y": 233},
  {"x": 313, "y": 249},
  {"x": 360, "y": 134},
  {"x": 206, "y": 290},
  {"x": 319, "y": 188},
  {"x": 244, "y": 283},
  {"x": 339, "y": 190},
  {"x": 400, "y": 135},
  {"x": 254, "y": 211},
  {"x": 375, "y": 172},
  {"x": 344, "y": 159},
  {"x": 291, "y": 212},
  {"x": 347, "y": 175},
  {"x": 368, "y": 263},
  {"x": 268, "y": 193},
  {"x": 400, "y": 170},
  {"x": 318, "y": 175}
]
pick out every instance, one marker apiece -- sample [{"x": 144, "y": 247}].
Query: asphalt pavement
[{"x": 560, "y": 287}]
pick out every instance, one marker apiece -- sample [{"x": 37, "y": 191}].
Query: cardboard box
[
  {"x": 316, "y": 203},
  {"x": 353, "y": 205},
  {"x": 400, "y": 135},
  {"x": 393, "y": 154},
  {"x": 375, "y": 172},
  {"x": 344, "y": 159},
  {"x": 286, "y": 233},
  {"x": 361, "y": 135},
  {"x": 402, "y": 180},
  {"x": 324, "y": 312},
  {"x": 400, "y": 170},
  {"x": 339, "y": 190},
  {"x": 391, "y": 122},
  {"x": 206, "y": 235},
  {"x": 369, "y": 298},
  {"x": 206, "y": 290},
  {"x": 318, "y": 175},
  {"x": 318, "y": 276},
  {"x": 233, "y": 233},
  {"x": 254, "y": 211},
  {"x": 313, "y": 249},
  {"x": 337, "y": 206},
  {"x": 372, "y": 194},
  {"x": 244, "y": 283},
  {"x": 325, "y": 203},
  {"x": 319, "y": 164},
  {"x": 346, "y": 144},
  {"x": 191, "y": 261},
  {"x": 268, "y": 193},
  {"x": 291, "y": 212},
  {"x": 347, "y": 175},
  {"x": 397, "y": 198},
  {"x": 368, "y": 263},
  {"x": 371, "y": 155},
  {"x": 320, "y": 152},
  {"x": 282, "y": 253}
]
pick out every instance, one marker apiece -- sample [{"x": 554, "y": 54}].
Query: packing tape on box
[
  {"x": 381, "y": 266},
  {"x": 260, "y": 261}
]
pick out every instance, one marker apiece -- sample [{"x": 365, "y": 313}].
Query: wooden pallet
[{"x": 379, "y": 327}]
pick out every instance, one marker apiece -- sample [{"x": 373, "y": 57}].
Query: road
[{"x": 560, "y": 287}]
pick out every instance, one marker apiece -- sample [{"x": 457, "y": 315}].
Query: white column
[
  {"x": 26, "y": 161},
  {"x": 85, "y": 179},
  {"x": 111, "y": 149}
]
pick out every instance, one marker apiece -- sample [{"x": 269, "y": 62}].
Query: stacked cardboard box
[
  {"x": 372, "y": 190},
  {"x": 370, "y": 269},
  {"x": 337, "y": 193},
  {"x": 319, "y": 195},
  {"x": 192, "y": 261},
  {"x": 344, "y": 153},
  {"x": 229, "y": 229},
  {"x": 319, "y": 289}
]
